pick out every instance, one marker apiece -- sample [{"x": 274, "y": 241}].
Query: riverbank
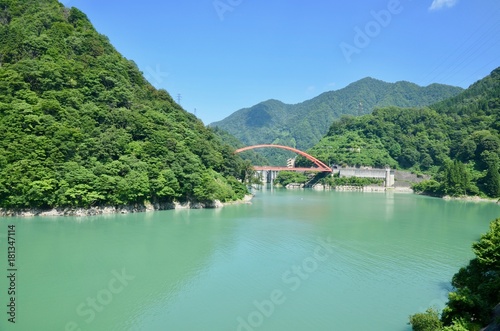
[
  {"x": 127, "y": 209},
  {"x": 471, "y": 199},
  {"x": 368, "y": 188}
]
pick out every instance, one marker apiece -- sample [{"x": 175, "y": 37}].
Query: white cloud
[{"x": 440, "y": 4}]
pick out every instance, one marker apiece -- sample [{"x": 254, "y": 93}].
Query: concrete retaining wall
[{"x": 386, "y": 174}]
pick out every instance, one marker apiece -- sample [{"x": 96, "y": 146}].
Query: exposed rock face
[
  {"x": 495, "y": 326},
  {"x": 294, "y": 186},
  {"x": 105, "y": 210}
]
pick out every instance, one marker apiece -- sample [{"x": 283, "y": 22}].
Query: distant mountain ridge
[
  {"x": 302, "y": 125},
  {"x": 457, "y": 140}
]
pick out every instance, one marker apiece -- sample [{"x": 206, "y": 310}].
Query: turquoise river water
[{"x": 292, "y": 260}]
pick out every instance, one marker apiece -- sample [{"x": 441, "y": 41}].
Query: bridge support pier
[
  {"x": 389, "y": 180},
  {"x": 267, "y": 176},
  {"x": 272, "y": 176}
]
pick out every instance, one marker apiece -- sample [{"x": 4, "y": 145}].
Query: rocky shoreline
[
  {"x": 350, "y": 188},
  {"x": 472, "y": 199},
  {"x": 127, "y": 209},
  {"x": 369, "y": 188}
]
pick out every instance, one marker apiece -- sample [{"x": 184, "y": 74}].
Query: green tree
[
  {"x": 456, "y": 179},
  {"x": 428, "y": 321},
  {"x": 287, "y": 177},
  {"x": 467, "y": 150},
  {"x": 477, "y": 286},
  {"x": 457, "y": 325},
  {"x": 491, "y": 181},
  {"x": 166, "y": 186}
]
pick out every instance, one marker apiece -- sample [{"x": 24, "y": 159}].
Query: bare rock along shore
[{"x": 106, "y": 210}]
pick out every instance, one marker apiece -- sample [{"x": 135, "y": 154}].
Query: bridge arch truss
[{"x": 321, "y": 166}]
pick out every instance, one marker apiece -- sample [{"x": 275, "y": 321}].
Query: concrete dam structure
[
  {"x": 386, "y": 174},
  {"x": 268, "y": 176}
]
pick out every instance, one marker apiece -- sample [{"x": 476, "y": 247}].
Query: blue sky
[{"x": 224, "y": 55}]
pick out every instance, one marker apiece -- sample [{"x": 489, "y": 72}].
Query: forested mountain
[
  {"x": 81, "y": 126},
  {"x": 251, "y": 156},
  {"x": 303, "y": 125},
  {"x": 465, "y": 129}
]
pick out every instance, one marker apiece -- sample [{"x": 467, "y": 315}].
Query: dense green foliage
[
  {"x": 81, "y": 126},
  {"x": 350, "y": 148},
  {"x": 288, "y": 177},
  {"x": 477, "y": 289},
  {"x": 428, "y": 321},
  {"x": 453, "y": 179},
  {"x": 477, "y": 286},
  {"x": 303, "y": 125},
  {"x": 457, "y": 139},
  {"x": 350, "y": 181}
]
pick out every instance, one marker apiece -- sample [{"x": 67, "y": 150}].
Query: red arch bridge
[{"x": 321, "y": 167}]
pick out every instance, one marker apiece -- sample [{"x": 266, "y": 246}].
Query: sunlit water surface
[{"x": 292, "y": 260}]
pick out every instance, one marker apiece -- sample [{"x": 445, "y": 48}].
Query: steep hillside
[
  {"x": 251, "y": 156},
  {"x": 82, "y": 127},
  {"x": 304, "y": 124},
  {"x": 465, "y": 129}
]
